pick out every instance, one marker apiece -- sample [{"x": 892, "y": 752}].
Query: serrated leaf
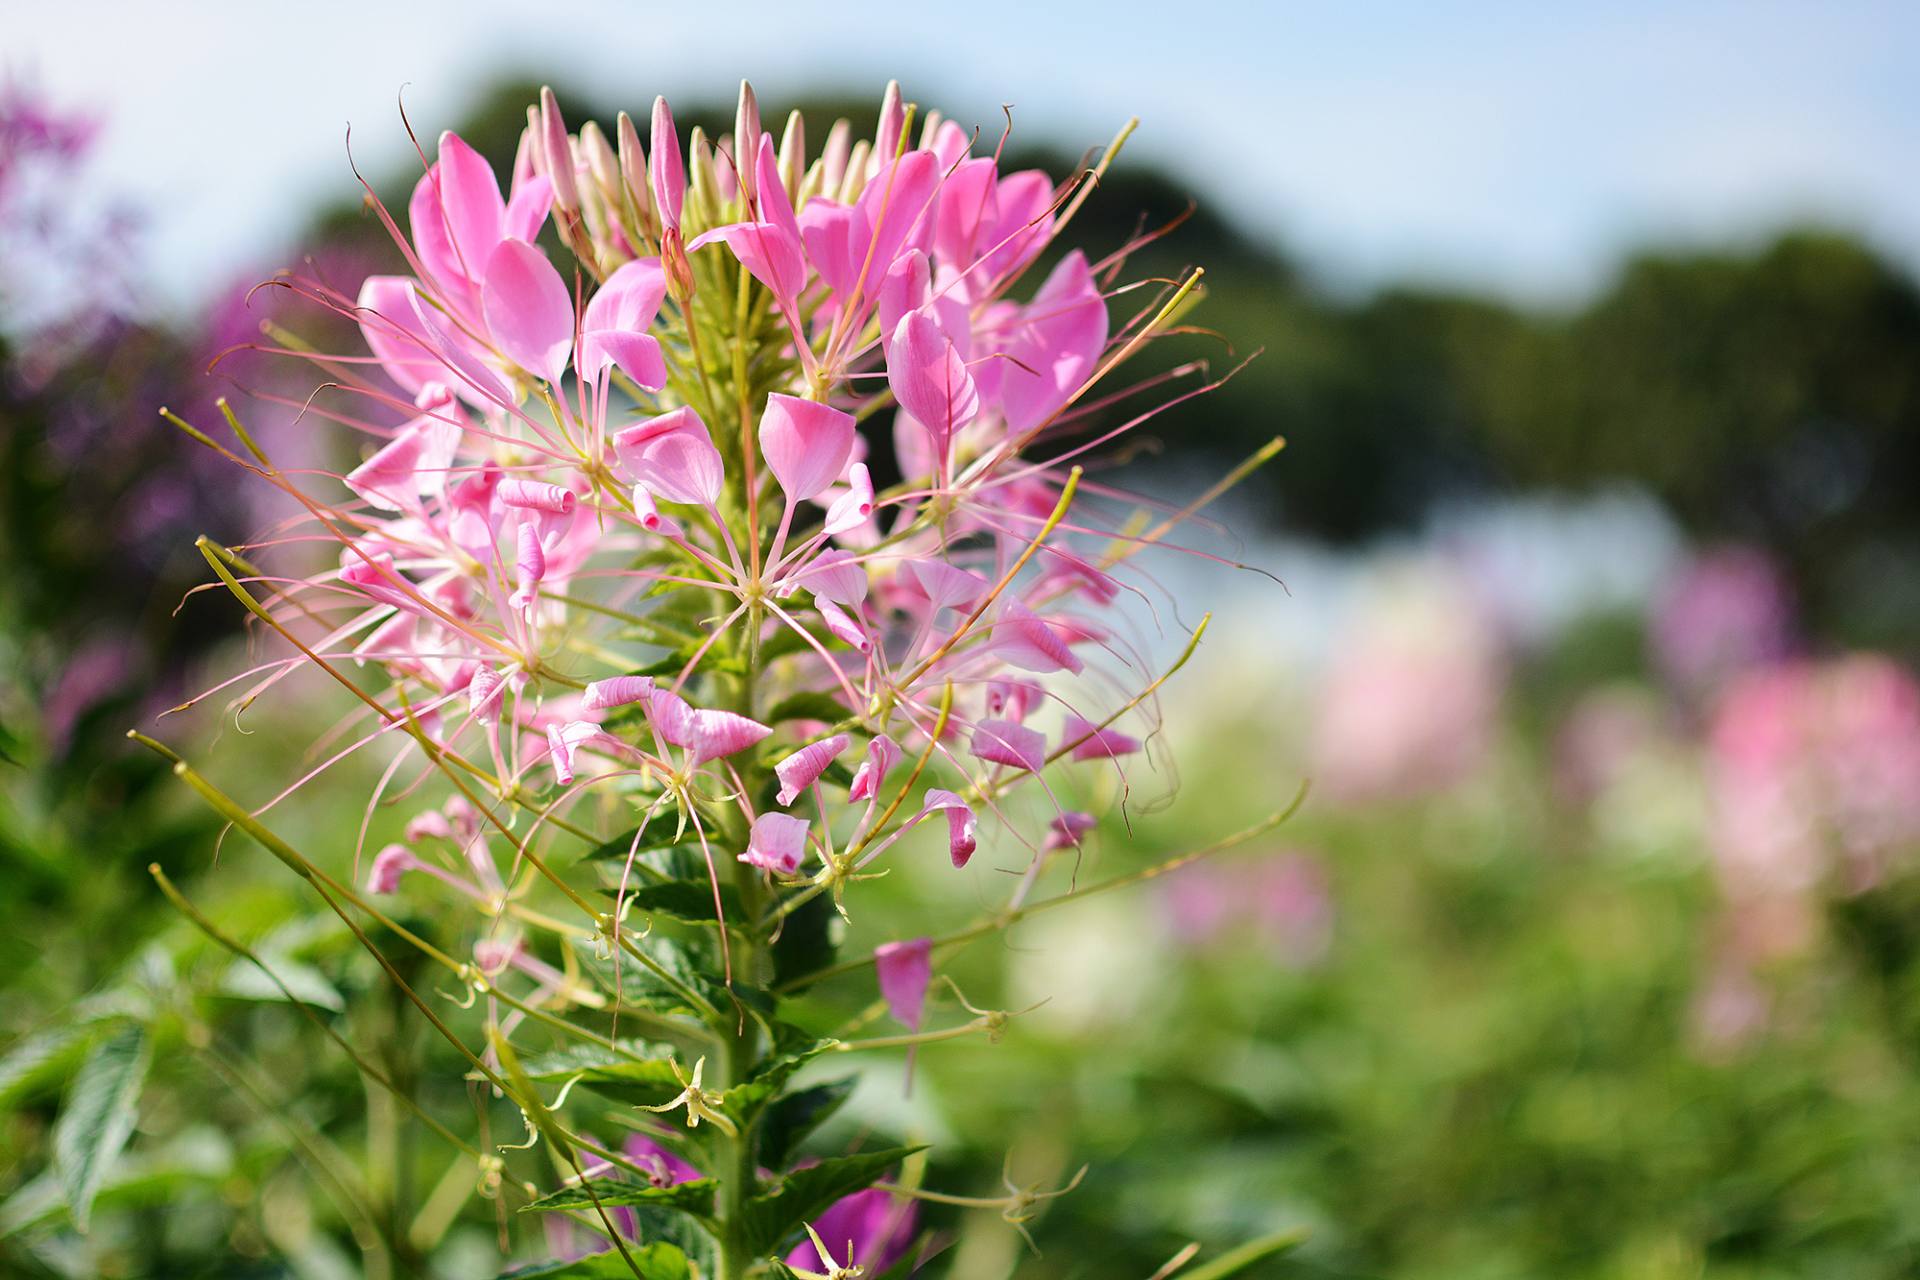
[
  {"x": 243, "y": 980},
  {"x": 656, "y": 1261},
  {"x": 1234, "y": 1261},
  {"x": 38, "y": 1061},
  {"x": 98, "y": 1116},
  {"x": 804, "y": 1194},
  {"x": 694, "y": 1198},
  {"x": 789, "y": 1119},
  {"x": 809, "y": 704}
]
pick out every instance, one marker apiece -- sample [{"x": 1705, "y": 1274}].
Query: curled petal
[
  {"x": 803, "y": 768},
  {"x": 854, "y": 507},
  {"x": 778, "y": 843},
  {"x": 533, "y": 495},
  {"x": 1010, "y": 743},
  {"x": 905, "y": 970},
  {"x": 842, "y": 627},
  {"x": 962, "y": 836},
  {"x": 616, "y": 691},
  {"x": 389, "y": 865},
  {"x": 530, "y": 565},
  {"x": 563, "y": 741},
  {"x": 649, "y": 516},
  {"x": 807, "y": 444},
  {"x": 882, "y": 754},
  {"x": 484, "y": 695}
]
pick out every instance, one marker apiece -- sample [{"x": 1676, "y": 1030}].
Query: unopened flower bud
[
  {"x": 746, "y": 139},
  {"x": 665, "y": 167},
  {"x": 559, "y": 154}
]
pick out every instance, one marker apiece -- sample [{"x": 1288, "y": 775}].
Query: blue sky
[{"x": 1512, "y": 147}]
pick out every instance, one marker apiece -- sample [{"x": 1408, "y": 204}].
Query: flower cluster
[{"x": 753, "y": 520}]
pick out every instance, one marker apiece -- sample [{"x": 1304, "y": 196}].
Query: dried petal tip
[{"x": 803, "y": 768}]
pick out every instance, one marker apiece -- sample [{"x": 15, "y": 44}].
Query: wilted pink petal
[
  {"x": 484, "y": 695},
  {"x": 1010, "y": 743},
  {"x": 528, "y": 311},
  {"x": 961, "y": 839},
  {"x": 841, "y": 626},
  {"x": 389, "y": 865},
  {"x": 1099, "y": 744},
  {"x": 564, "y": 740},
  {"x": 778, "y": 843},
  {"x": 529, "y": 563},
  {"x": 854, "y": 507},
  {"x": 673, "y": 457},
  {"x": 905, "y": 969},
  {"x": 807, "y": 444},
  {"x": 616, "y": 691},
  {"x": 882, "y": 755},
  {"x": 1067, "y": 830},
  {"x": 803, "y": 768},
  {"x": 533, "y": 495}
]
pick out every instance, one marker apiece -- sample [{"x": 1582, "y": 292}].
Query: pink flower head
[
  {"x": 905, "y": 969},
  {"x": 803, "y": 768},
  {"x": 778, "y": 843}
]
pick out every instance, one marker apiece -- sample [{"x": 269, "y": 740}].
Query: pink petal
[
  {"x": 722, "y": 733},
  {"x": 563, "y": 741},
  {"x": 854, "y": 507},
  {"x": 527, "y": 309},
  {"x": 803, "y": 768},
  {"x": 778, "y": 843},
  {"x": 929, "y": 378},
  {"x": 534, "y": 495},
  {"x": 837, "y": 576},
  {"x": 527, "y": 210},
  {"x": 470, "y": 198},
  {"x": 616, "y": 691},
  {"x": 806, "y": 444},
  {"x": 529, "y": 564},
  {"x": 673, "y": 457},
  {"x": 484, "y": 696},
  {"x": 908, "y": 286},
  {"x": 843, "y": 627},
  {"x": 387, "y": 323},
  {"x": 882, "y": 755},
  {"x": 1067, "y": 830},
  {"x": 669, "y": 174},
  {"x": 1029, "y": 642},
  {"x": 1060, "y": 338},
  {"x": 613, "y": 329},
  {"x": 1100, "y": 744},
  {"x": 905, "y": 970},
  {"x": 1010, "y": 743},
  {"x": 389, "y": 865},
  {"x": 649, "y": 516},
  {"x": 946, "y": 586},
  {"x": 961, "y": 832}
]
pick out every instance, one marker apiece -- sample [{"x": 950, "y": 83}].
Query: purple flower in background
[
  {"x": 1724, "y": 612},
  {"x": 1283, "y": 900},
  {"x": 874, "y": 1228}
]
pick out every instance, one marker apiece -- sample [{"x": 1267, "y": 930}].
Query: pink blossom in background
[
  {"x": 1724, "y": 612},
  {"x": 1410, "y": 703},
  {"x": 1282, "y": 900},
  {"x": 1814, "y": 773},
  {"x": 877, "y": 1224},
  {"x": 1607, "y": 732}
]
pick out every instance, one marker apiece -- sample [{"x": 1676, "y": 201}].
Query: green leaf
[
  {"x": 35, "y": 1062},
  {"x": 688, "y": 900},
  {"x": 648, "y": 1082},
  {"x": 791, "y": 1118},
  {"x": 809, "y": 941},
  {"x": 1233, "y": 1262},
  {"x": 243, "y": 980},
  {"x": 655, "y": 1261},
  {"x": 768, "y": 1218},
  {"x": 810, "y": 704},
  {"x": 695, "y": 1197},
  {"x": 98, "y": 1116}
]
